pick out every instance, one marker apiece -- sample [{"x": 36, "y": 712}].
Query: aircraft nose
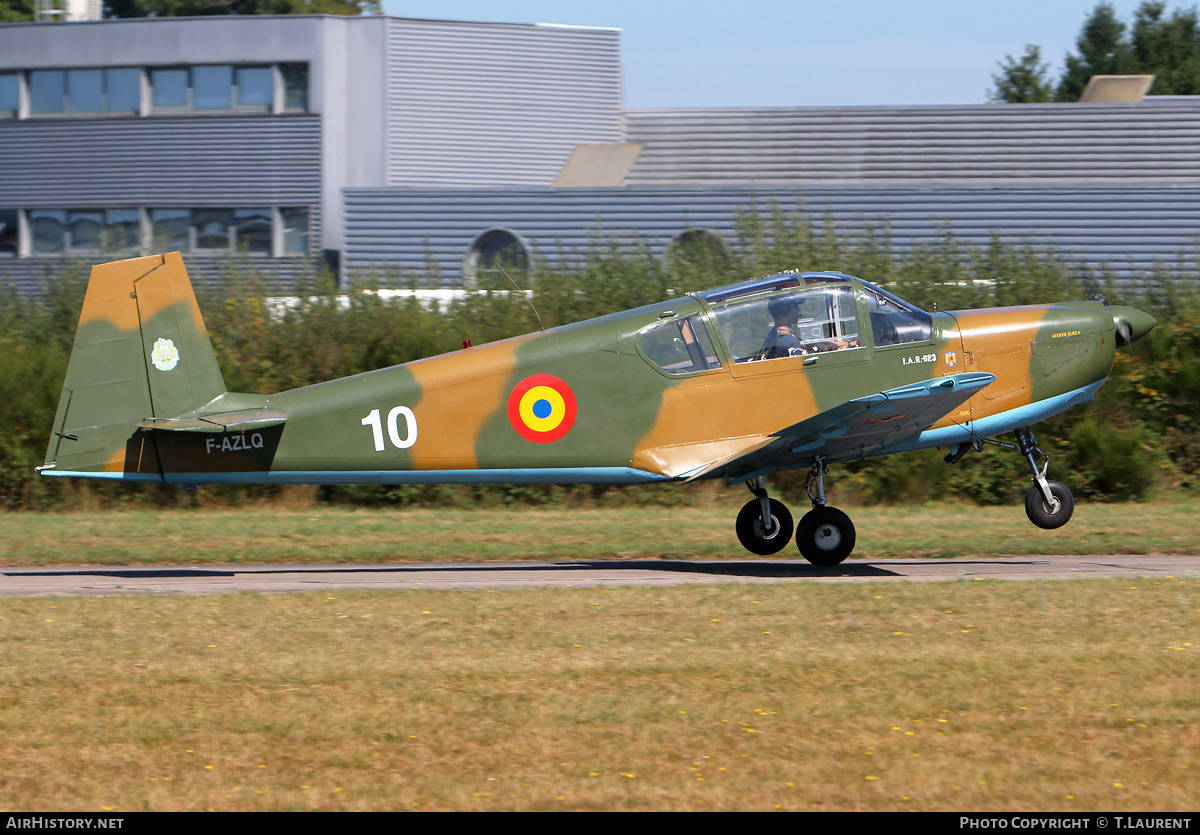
[{"x": 1132, "y": 324}]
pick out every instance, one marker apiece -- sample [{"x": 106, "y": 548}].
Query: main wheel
[
  {"x": 1050, "y": 516},
  {"x": 764, "y": 539},
  {"x": 825, "y": 536}
]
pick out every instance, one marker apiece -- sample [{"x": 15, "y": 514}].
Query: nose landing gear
[{"x": 1049, "y": 504}]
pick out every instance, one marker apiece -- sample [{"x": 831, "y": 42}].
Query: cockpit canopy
[{"x": 785, "y": 315}]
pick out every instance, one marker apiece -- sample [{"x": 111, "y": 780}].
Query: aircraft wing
[{"x": 854, "y": 429}]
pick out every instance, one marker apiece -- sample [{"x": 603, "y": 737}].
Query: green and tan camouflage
[{"x": 676, "y": 391}]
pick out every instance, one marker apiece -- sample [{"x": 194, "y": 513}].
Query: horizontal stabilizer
[{"x": 242, "y": 420}]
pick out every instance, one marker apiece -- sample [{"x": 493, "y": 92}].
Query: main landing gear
[
  {"x": 825, "y": 535},
  {"x": 1048, "y": 504}
]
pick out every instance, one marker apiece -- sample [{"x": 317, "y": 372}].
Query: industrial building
[{"x": 393, "y": 145}]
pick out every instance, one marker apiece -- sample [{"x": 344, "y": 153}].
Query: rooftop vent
[{"x": 1117, "y": 88}]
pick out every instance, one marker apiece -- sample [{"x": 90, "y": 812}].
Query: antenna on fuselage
[{"x": 528, "y": 300}]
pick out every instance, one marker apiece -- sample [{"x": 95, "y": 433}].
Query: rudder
[{"x": 141, "y": 352}]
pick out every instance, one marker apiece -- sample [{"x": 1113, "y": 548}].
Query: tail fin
[{"x": 141, "y": 353}]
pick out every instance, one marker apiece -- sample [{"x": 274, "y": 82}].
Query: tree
[
  {"x": 1022, "y": 81},
  {"x": 16, "y": 11},
  {"x": 1168, "y": 48},
  {"x": 191, "y": 8},
  {"x": 1103, "y": 50}
]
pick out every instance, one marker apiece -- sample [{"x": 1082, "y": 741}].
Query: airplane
[{"x": 787, "y": 371}]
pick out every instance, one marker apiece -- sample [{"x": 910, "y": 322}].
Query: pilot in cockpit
[
  {"x": 782, "y": 338},
  {"x": 783, "y": 341}
]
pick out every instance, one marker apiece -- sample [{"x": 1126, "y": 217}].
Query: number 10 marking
[{"x": 393, "y": 428}]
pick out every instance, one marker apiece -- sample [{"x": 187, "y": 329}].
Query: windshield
[{"x": 893, "y": 320}]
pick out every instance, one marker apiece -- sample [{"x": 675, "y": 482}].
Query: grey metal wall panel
[
  {"x": 215, "y": 161},
  {"x": 32, "y": 276},
  {"x": 1125, "y": 229},
  {"x": 998, "y": 142},
  {"x": 472, "y": 104}
]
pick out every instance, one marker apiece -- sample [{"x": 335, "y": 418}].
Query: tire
[
  {"x": 749, "y": 528},
  {"x": 825, "y": 536},
  {"x": 1042, "y": 514}
]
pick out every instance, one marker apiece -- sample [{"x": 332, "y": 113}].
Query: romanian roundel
[{"x": 541, "y": 408}]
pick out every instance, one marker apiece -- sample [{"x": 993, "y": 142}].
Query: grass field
[
  {"x": 281, "y": 533},
  {"x": 982, "y": 695},
  {"x": 949, "y": 696}
]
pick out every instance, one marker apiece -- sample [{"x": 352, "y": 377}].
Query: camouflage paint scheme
[{"x": 144, "y": 398}]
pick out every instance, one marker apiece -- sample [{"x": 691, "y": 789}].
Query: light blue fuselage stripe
[
  {"x": 997, "y": 424},
  {"x": 548, "y": 475}
]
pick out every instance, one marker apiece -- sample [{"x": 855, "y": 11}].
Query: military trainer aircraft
[{"x": 795, "y": 370}]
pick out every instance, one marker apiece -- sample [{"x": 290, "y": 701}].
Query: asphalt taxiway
[{"x": 208, "y": 579}]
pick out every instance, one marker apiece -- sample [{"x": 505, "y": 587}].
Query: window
[
  {"x": 85, "y": 231},
  {"x": 895, "y": 321},
  {"x": 698, "y": 249},
  {"x": 214, "y": 230},
  {"x": 120, "y": 231},
  {"x": 47, "y": 89},
  {"x": 170, "y": 230},
  {"x": 680, "y": 346},
  {"x": 799, "y": 321},
  {"x": 295, "y": 86},
  {"x": 206, "y": 88},
  {"x": 85, "y": 91},
  {"x": 123, "y": 88},
  {"x": 9, "y": 241},
  {"x": 255, "y": 88},
  {"x": 170, "y": 89},
  {"x": 497, "y": 251},
  {"x": 252, "y": 230},
  {"x": 10, "y": 95},
  {"x": 295, "y": 230},
  {"x": 212, "y": 88}
]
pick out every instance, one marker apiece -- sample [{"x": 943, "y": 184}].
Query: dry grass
[
  {"x": 951, "y": 696},
  {"x": 272, "y": 533}
]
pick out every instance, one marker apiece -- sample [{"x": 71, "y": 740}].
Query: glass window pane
[
  {"x": 212, "y": 88},
  {"x": 124, "y": 90},
  {"x": 212, "y": 228},
  {"x": 295, "y": 86},
  {"x": 83, "y": 230},
  {"x": 9, "y": 94},
  {"x": 680, "y": 346},
  {"x": 8, "y": 232},
  {"x": 170, "y": 88},
  {"x": 255, "y": 87},
  {"x": 170, "y": 228},
  {"x": 46, "y": 88},
  {"x": 252, "y": 228},
  {"x": 295, "y": 230},
  {"x": 49, "y": 230},
  {"x": 123, "y": 230},
  {"x": 85, "y": 91}
]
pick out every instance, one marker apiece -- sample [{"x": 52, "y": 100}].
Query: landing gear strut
[
  {"x": 1049, "y": 504},
  {"x": 825, "y": 535},
  {"x": 764, "y": 525}
]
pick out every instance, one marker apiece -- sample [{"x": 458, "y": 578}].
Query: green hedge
[{"x": 1139, "y": 436}]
